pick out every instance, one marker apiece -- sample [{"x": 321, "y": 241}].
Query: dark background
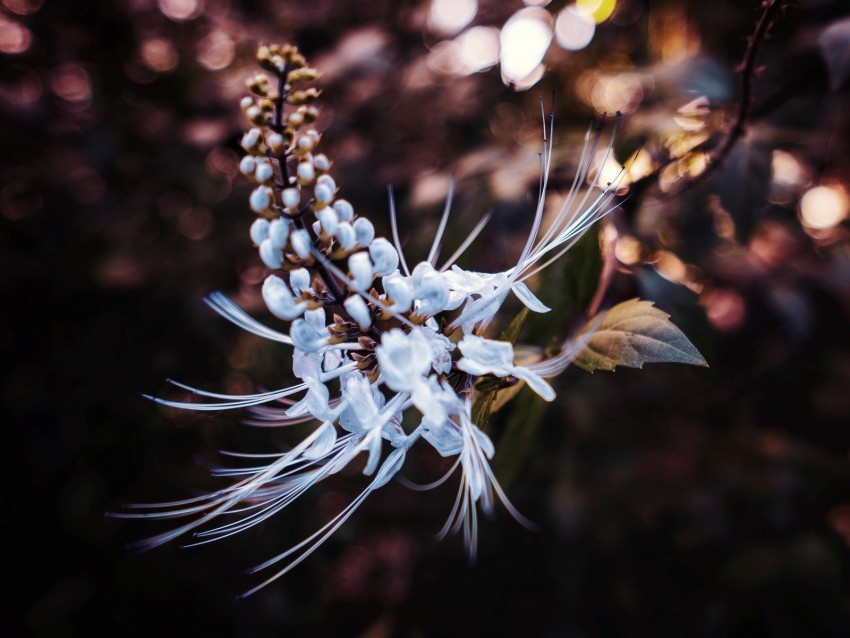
[{"x": 671, "y": 501}]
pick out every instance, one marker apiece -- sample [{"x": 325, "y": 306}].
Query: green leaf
[
  {"x": 834, "y": 43},
  {"x": 511, "y": 333},
  {"x": 633, "y": 333},
  {"x": 743, "y": 183}
]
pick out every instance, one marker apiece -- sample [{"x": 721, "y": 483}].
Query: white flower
[
  {"x": 486, "y": 356},
  {"x": 358, "y": 379},
  {"x": 404, "y": 359},
  {"x": 429, "y": 288}
]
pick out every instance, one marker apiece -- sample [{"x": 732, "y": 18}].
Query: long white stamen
[
  {"x": 233, "y": 313},
  {"x": 394, "y": 226},
  {"x": 438, "y": 237}
]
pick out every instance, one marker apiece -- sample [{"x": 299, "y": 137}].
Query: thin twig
[{"x": 748, "y": 68}]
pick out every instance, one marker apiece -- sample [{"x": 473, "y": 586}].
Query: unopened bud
[
  {"x": 345, "y": 235},
  {"x": 264, "y": 172},
  {"x": 328, "y": 220},
  {"x": 276, "y": 142},
  {"x": 305, "y": 172},
  {"x": 301, "y": 243},
  {"x": 248, "y": 165},
  {"x": 359, "y": 311},
  {"x": 291, "y": 198},
  {"x": 271, "y": 256},
  {"x": 279, "y": 233},
  {"x": 304, "y": 96},
  {"x": 299, "y": 280},
  {"x": 261, "y": 199},
  {"x": 321, "y": 162},
  {"x": 259, "y": 230},
  {"x": 365, "y": 231},
  {"x": 344, "y": 210},
  {"x": 360, "y": 269},
  {"x": 323, "y": 194},
  {"x": 384, "y": 255}
]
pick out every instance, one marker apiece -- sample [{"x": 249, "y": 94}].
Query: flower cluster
[{"x": 387, "y": 356}]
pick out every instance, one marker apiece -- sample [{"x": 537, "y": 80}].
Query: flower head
[{"x": 373, "y": 341}]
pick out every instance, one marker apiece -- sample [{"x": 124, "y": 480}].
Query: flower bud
[
  {"x": 276, "y": 142},
  {"x": 295, "y": 119},
  {"x": 261, "y": 199},
  {"x": 328, "y": 220},
  {"x": 323, "y": 193},
  {"x": 365, "y": 231},
  {"x": 344, "y": 209},
  {"x": 259, "y": 230},
  {"x": 305, "y": 172},
  {"x": 301, "y": 243},
  {"x": 384, "y": 255},
  {"x": 248, "y": 165},
  {"x": 325, "y": 180},
  {"x": 299, "y": 280},
  {"x": 360, "y": 269},
  {"x": 254, "y": 114},
  {"x": 306, "y": 143},
  {"x": 302, "y": 97},
  {"x": 359, "y": 311},
  {"x": 305, "y": 336},
  {"x": 430, "y": 288},
  {"x": 279, "y": 233},
  {"x": 250, "y": 140},
  {"x": 279, "y": 299},
  {"x": 270, "y": 254},
  {"x": 400, "y": 291},
  {"x": 321, "y": 162},
  {"x": 345, "y": 235},
  {"x": 291, "y": 198},
  {"x": 264, "y": 172}
]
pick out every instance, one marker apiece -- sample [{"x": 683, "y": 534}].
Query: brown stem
[{"x": 748, "y": 67}]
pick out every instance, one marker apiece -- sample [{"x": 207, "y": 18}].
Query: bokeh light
[
  {"x": 216, "y": 51},
  {"x": 822, "y": 207},
  {"x": 23, "y": 7},
  {"x": 524, "y": 40},
  {"x": 181, "y": 10},
  {"x": 14, "y": 37},
  {"x": 159, "y": 55},
  {"x": 72, "y": 83},
  {"x": 599, "y": 10},
  {"x": 450, "y": 16},
  {"x": 574, "y": 29},
  {"x": 479, "y": 48}
]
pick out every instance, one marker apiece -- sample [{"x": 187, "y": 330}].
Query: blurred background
[{"x": 671, "y": 501}]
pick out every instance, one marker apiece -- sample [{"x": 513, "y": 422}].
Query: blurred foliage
[{"x": 670, "y": 501}]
